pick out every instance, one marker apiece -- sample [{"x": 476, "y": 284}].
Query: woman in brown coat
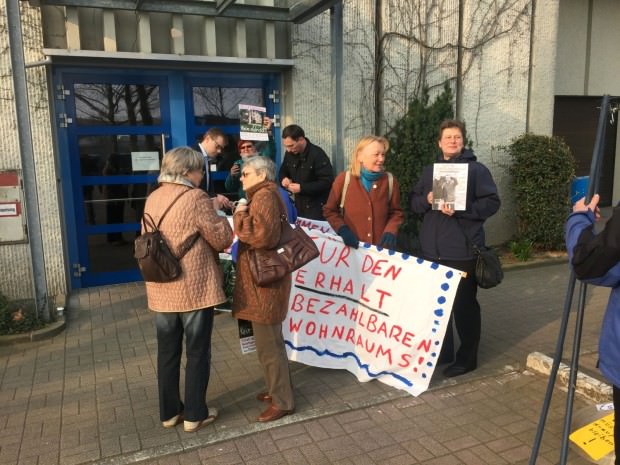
[
  {"x": 185, "y": 306},
  {"x": 371, "y": 211},
  {"x": 258, "y": 226}
]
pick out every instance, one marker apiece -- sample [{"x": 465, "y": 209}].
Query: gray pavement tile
[{"x": 93, "y": 389}]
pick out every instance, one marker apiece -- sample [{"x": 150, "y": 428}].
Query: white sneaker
[{"x": 193, "y": 426}]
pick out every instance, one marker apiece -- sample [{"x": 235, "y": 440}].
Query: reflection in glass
[
  {"x": 110, "y": 155},
  {"x": 117, "y": 104},
  {"x": 115, "y": 204},
  {"x": 220, "y": 105},
  {"x": 107, "y": 257}
]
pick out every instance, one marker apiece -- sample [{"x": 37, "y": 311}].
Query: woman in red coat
[{"x": 371, "y": 212}]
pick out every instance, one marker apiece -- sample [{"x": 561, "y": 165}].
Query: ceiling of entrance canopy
[{"x": 295, "y": 11}]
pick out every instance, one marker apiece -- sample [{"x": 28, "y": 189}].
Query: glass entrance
[{"x": 114, "y": 130}]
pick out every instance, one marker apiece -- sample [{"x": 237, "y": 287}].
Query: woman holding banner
[
  {"x": 446, "y": 236},
  {"x": 364, "y": 202},
  {"x": 257, "y": 225}
]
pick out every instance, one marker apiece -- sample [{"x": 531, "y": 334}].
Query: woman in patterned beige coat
[
  {"x": 258, "y": 226},
  {"x": 185, "y": 306}
]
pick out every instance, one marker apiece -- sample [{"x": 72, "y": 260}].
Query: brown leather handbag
[{"x": 295, "y": 249}]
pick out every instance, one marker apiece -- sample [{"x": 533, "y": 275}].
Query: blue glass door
[{"x": 114, "y": 128}]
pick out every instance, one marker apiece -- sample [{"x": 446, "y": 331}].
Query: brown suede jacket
[{"x": 259, "y": 227}]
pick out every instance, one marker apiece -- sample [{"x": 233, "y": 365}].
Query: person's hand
[
  {"x": 234, "y": 171},
  {"x": 388, "y": 240},
  {"x": 286, "y": 182},
  {"x": 222, "y": 202},
  {"x": 446, "y": 209},
  {"x": 294, "y": 187},
  {"x": 429, "y": 197},
  {"x": 348, "y": 237},
  {"x": 580, "y": 206}
]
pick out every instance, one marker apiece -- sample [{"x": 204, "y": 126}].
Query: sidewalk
[{"x": 89, "y": 395}]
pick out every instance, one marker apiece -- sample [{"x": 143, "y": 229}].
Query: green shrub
[
  {"x": 521, "y": 249},
  {"x": 542, "y": 169},
  {"x": 18, "y": 317},
  {"x": 413, "y": 145}
]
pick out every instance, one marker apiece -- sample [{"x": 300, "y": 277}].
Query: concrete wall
[{"x": 15, "y": 259}]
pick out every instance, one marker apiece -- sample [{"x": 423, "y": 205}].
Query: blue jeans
[{"x": 197, "y": 326}]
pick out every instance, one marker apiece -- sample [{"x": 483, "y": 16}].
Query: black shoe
[{"x": 458, "y": 369}]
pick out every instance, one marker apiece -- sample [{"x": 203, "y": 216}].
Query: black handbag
[
  {"x": 488, "y": 272},
  {"x": 156, "y": 261},
  {"x": 295, "y": 249}
]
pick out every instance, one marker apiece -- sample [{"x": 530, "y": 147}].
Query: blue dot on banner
[
  {"x": 439, "y": 312},
  {"x": 420, "y": 261},
  {"x": 441, "y": 299},
  {"x": 429, "y": 364},
  {"x": 405, "y": 256},
  {"x": 379, "y": 248},
  {"x": 434, "y": 354},
  {"x": 445, "y": 286},
  {"x": 423, "y": 375},
  {"x": 434, "y": 330},
  {"x": 367, "y": 245},
  {"x": 437, "y": 343},
  {"x": 434, "y": 266},
  {"x": 391, "y": 252},
  {"x": 436, "y": 322},
  {"x": 449, "y": 274}
]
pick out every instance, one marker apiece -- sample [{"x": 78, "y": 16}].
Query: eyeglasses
[
  {"x": 218, "y": 147},
  {"x": 245, "y": 174}
]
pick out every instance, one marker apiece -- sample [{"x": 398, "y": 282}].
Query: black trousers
[
  {"x": 197, "y": 326},
  {"x": 466, "y": 317}
]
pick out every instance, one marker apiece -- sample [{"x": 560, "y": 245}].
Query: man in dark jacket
[
  {"x": 306, "y": 172},
  {"x": 447, "y": 236}
]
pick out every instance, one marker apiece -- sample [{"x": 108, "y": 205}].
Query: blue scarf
[{"x": 368, "y": 177}]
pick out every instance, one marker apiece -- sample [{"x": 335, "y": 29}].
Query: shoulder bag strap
[
  {"x": 470, "y": 244},
  {"x": 347, "y": 180},
  {"x": 171, "y": 204}
]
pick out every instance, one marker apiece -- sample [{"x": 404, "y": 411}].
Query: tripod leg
[
  {"x": 568, "y": 301},
  {"x": 574, "y": 367}
]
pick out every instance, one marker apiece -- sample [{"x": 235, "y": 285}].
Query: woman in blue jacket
[
  {"x": 596, "y": 258},
  {"x": 446, "y": 236}
]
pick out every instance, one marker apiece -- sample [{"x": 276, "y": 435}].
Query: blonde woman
[{"x": 371, "y": 212}]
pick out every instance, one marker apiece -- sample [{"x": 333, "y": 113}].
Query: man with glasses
[
  {"x": 211, "y": 146},
  {"x": 306, "y": 172}
]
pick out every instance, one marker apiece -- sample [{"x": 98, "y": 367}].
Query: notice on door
[{"x": 145, "y": 161}]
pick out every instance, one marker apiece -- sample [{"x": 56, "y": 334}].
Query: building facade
[{"x": 112, "y": 85}]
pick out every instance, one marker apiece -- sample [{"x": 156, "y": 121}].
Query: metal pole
[
  {"x": 35, "y": 238},
  {"x": 337, "y": 67}
]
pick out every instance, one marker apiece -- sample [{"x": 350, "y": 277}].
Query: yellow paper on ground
[{"x": 596, "y": 438}]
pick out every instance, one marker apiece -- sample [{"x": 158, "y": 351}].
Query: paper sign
[
  {"x": 145, "y": 161},
  {"x": 376, "y": 313},
  {"x": 251, "y": 123},
  {"x": 246, "y": 337},
  {"x": 450, "y": 185},
  {"x": 597, "y": 438}
]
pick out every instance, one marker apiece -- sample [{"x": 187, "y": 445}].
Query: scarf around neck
[{"x": 368, "y": 177}]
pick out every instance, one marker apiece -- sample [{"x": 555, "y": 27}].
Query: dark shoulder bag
[
  {"x": 295, "y": 249},
  {"x": 156, "y": 261},
  {"x": 489, "y": 271}
]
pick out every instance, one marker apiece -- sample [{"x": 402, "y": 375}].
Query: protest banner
[{"x": 376, "y": 313}]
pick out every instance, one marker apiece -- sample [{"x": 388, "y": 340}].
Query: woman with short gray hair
[{"x": 184, "y": 307}]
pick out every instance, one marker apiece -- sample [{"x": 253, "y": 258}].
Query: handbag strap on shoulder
[
  {"x": 470, "y": 244},
  {"x": 171, "y": 204}
]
